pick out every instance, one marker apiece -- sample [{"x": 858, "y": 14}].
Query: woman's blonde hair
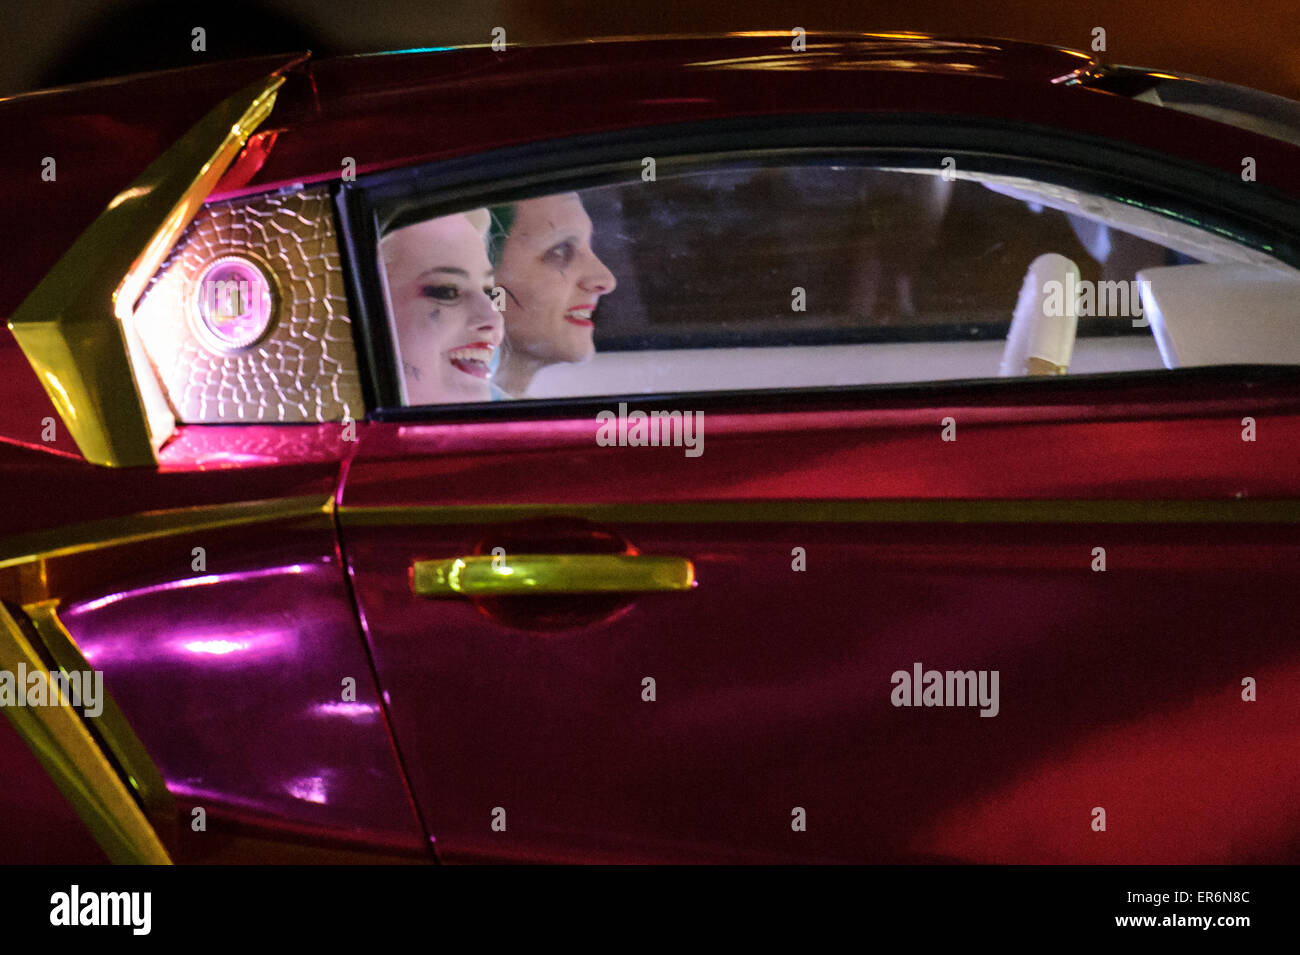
[{"x": 480, "y": 219}]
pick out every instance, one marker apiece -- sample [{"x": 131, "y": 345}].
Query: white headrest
[
  {"x": 1046, "y": 317},
  {"x": 1223, "y": 314}
]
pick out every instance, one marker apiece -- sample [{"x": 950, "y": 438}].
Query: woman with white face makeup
[
  {"x": 553, "y": 282},
  {"x": 438, "y": 282}
]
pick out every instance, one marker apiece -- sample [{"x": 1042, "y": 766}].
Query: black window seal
[{"x": 1193, "y": 383}]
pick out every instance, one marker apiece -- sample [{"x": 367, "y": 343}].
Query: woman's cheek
[{"x": 422, "y": 333}]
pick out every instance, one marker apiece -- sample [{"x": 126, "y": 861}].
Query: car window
[{"x": 756, "y": 277}]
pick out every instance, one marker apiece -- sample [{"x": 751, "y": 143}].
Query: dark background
[{"x": 50, "y": 42}]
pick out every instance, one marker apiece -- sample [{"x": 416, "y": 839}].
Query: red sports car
[{"x": 760, "y": 448}]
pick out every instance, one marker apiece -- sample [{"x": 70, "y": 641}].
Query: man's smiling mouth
[{"x": 580, "y": 315}]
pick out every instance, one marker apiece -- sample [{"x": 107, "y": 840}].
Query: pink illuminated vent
[{"x": 233, "y": 303}]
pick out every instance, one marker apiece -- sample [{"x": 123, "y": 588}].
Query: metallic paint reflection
[{"x": 225, "y": 681}]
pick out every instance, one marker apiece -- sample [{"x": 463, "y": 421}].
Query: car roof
[
  {"x": 408, "y": 107},
  {"x": 1239, "y": 106}
]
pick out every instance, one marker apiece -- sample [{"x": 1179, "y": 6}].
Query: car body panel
[
  {"x": 236, "y": 680},
  {"x": 232, "y": 671},
  {"x": 772, "y": 684}
]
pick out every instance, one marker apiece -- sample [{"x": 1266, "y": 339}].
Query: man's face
[{"x": 553, "y": 278}]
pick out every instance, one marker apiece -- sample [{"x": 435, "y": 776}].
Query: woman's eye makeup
[{"x": 441, "y": 293}]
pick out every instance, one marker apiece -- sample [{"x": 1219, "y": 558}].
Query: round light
[{"x": 233, "y": 302}]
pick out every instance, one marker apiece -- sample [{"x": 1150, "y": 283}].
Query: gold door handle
[{"x": 519, "y": 574}]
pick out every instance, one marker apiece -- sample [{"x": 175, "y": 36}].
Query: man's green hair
[{"x": 502, "y": 221}]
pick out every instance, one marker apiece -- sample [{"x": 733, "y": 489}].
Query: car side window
[{"x": 749, "y": 276}]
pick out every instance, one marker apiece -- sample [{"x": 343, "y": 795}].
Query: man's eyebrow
[{"x": 444, "y": 268}]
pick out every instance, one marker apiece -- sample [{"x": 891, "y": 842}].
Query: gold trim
[
  {"x": 142, "y": 775},
  {"x": 944, "y": 511},
  {"x": 75, "y": 328},
  {"x": 71, "y": 756},
  {"x": 150, "y": 525},
  {"x": 526, "y": 574}
]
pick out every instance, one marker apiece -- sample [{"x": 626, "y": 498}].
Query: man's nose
[{"x": 598, "y": 279}]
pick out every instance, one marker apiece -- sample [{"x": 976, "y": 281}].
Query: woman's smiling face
[
  {"x": 553, "y": 279},
  {"x": 439, "y": 284}
]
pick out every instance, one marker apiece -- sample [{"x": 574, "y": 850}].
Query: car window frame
[{"x": 1254, "y": 215}]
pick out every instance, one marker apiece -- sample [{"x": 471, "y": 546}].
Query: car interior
[{"x": 1157, "y": 280}]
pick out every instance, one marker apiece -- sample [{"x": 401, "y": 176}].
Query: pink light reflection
[
  {"x": 218, "y": 647},
  {"x": 347, "y": 710},
  {"x": 203, "y": 581},
  {"x": 262, "y": 642},
  {"x": 309, "y": 789}
]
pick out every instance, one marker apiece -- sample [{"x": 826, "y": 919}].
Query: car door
[{"x": 857, "y": 598}]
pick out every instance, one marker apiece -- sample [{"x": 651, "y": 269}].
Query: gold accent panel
[
  {"x": 72, "y": 758},
  {"x": 945, "y": 511},
  {"x": 75, "y": 327},
  {"x": 31, "y": 581},
  {"x": 111, "y": 725},
  {"x": 523, "y": 574},
  {"x": 150, "y": 525}
]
